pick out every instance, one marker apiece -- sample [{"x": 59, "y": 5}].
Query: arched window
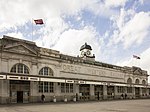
[
  {"x": 129, "y": 81},
  {"x": 137, "y": 81},
  {"x": 46, "y": 71},
  {"x": 20, "y": 68},
  {"x": 143, "y": 82}
]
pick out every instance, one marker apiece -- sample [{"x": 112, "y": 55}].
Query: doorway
[
  {"x": 84, "y": 91},
  {"x": 19, "y": 96},
  {"x": 137, "y": 92},
  {"x": 98, "y": 90},
  {"x": 110, "y": 92},
  {"x": 19, "y": 91}
]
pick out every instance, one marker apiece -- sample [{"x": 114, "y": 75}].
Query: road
[{"x": 102, "y": 106}]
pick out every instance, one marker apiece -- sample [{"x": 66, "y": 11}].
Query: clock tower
[{"x": 85, "y": 52}]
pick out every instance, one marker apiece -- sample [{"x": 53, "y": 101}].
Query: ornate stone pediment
[
  {"x": 20, "y": 48},
  {"x": 137, "y": 70}
]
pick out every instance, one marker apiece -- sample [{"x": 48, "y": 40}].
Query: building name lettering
[
  {"x": 71, "y": 68},
  {"x": 89, "y": 71},
  {"x": 96, "y": 72}
]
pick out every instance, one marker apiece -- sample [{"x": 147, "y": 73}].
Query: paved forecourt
[{"x": 103, "y": 106}]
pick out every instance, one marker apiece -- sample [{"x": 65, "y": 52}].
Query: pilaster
[
  {"x": 104, "y": 92},
  {"x": 92, "y": 96}
]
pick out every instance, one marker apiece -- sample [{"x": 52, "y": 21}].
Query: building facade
[{"x": 28, "y": 71}]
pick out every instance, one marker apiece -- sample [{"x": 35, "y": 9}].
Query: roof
[{"x": 85, "y": 46}]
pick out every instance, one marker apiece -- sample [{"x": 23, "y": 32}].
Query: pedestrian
[
  {"x": 43, "y": 98},
  {"x": 122, "y": 96},
  {"x": 76, "y": 96},
  {"x": 98, "y": 95},
  {"x": 125, "y": 95}
]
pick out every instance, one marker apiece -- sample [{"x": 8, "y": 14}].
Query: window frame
[
  {"x": 46, "y": 87},
  {"x": 46, "y": 71},
  {"x": 20, "y": 69}
]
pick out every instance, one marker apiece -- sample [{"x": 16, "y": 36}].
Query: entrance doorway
[
  {"x": 19, "y": 91},
  {"x": 137, "y": 92},
  {"x": 110, "y": 92},
  {"x": 19, "y": 96},
  {"x": 84, "y": 91},
  {"x": 98, "y": 89}
]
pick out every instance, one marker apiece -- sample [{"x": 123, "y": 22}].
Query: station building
[{"x": 28, "y": 71}]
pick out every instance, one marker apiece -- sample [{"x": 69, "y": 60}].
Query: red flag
[
  {"x": 39, "y": 21},
  {"x": 137, "y": 57}
]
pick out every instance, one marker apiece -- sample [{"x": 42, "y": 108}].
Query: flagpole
[
  {"x": 37, "y": 22},
  {"x": 32, "y": 29}
]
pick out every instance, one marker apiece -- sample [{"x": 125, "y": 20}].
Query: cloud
[
  {"x": 136, "y": 29},
  {"x": 23, "y": 11},
  {"x": 71, "y": 41},
  {"x": 17, "y": 35},
  {"x": 131, "y": 28},
  {"x": 117, "y": 3}
]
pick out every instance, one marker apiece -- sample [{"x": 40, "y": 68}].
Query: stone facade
[{"x": 28, "y": 71}]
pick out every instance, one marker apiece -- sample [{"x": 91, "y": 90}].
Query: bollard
[
  {"x": 74, "y": 99},
  {"x": 54, "y": 99},
  {"x": 65, "y": 98}
]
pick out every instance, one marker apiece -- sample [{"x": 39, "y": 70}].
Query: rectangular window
[
  {"x": 62, "y": 87},
  {"x": 51, "y": 87},
  {"x": 143, "y": 90},
  {"x": 71, "y": 88},
  {"x": 68, "y": 88},
  {"x": 98, "y": 89},
  {"x": 129, "y": 89},
  {"x": 120, "y": 89},
  {"x": 41, "y": 87},
  {"x": 46, "y": 87}
]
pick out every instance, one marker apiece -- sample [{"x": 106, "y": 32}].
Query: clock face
[{"x": 88, "y": 53}]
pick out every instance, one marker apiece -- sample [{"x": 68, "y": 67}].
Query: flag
[
  {"x": 39, "y": 21},
  {"x": 137, "y": 57}
]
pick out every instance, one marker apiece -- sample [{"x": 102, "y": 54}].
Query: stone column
[
  {"x": 1, "y": 64},
  {"x": 125, "y": 90},
  {"x": 76, "y": 91},
  {"x": 57, "y": 91},
  {"x": 133, "y": 92},
  {"x": 140, "y": 89},
  {"x": 92, "y": 95},
  {"x": 34, "y": 92},
  {"x": 115, "y": 92},
  {"x": 4, "y": 91},
  {"x": 104, "y": 92},
  {"x": 147, "y": 91}
]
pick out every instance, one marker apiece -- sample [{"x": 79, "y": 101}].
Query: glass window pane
[
  {"x": 51, "y": 87},
  {"x": 20, "y": 68},
  {"x": 41, "y": 87},
  {"x": 45, "y": 87},
  {"x": 62, "y": 88},
  {"x": 46, "y": 71},
  {"x": 67, "y": 88},
  {"x": 13, "y": 69},
  {"x": 71, "y": 88}
]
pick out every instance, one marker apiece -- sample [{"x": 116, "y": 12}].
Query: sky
[{"x": 115, "y": 29}]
